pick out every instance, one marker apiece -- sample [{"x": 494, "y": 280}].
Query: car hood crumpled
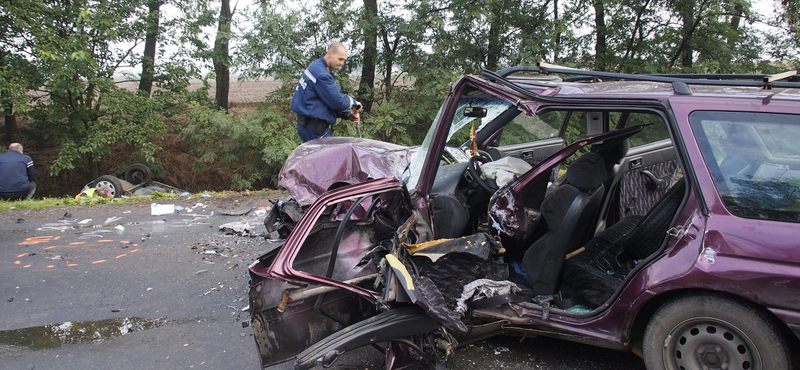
[{"x": 315, "y": 166}]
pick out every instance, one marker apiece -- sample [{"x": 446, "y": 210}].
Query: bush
[{"x": 254, "y": 145}]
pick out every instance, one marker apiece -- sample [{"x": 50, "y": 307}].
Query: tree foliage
[
  {"x": 83, "y": 45},
  {"x": 59, "y": 60},
  {"x": 255, "y": 145}
]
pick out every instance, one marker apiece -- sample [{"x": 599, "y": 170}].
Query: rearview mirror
[{"x": 475, "y": 112}]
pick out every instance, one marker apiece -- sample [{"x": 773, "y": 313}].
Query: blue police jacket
[
  {"x": 318, "y": 96},
  {"x": 16, "y": 172}
]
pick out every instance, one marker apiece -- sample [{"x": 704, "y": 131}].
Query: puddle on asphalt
[{"x": 72, "y": 332}]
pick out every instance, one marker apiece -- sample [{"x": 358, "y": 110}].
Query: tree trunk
[
  {"x": 149, "y": 58},
  {"x": 736, "y": 20},
  {"x": 366, "y": 88},
  {"x": 557, "y": 46},
  {"x": 637, "y": 35},
  {"x": 686, "y": 10},
  {"x": 600, "y": 30},
  {"x": 221, "y": 56},
  {"x": 10, "y": 118},
  {"x": 685, "y": 51},
  {"x": 791, "y": 15},
  {"x": 94, "y": 167},
  {"x": 389, "y": 53},
  {"x": 494, "y": 48},
  {"x": 10, "y": 121}
]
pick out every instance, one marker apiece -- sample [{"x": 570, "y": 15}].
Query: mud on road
[{"x": 113, "y": 286}]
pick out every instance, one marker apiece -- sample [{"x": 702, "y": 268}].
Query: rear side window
[{"x": 754, "y": 160}]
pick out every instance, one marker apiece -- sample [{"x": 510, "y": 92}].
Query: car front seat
[{"x": 569, "y": 213}]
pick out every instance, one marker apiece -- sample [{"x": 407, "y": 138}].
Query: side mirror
[{"x": 475, "y": 112}]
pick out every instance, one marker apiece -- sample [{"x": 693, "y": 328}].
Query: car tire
[
  {"x": 137, "y": 174},
  {"x": 711, "y": 331},
  {"x": 111, "y": 184}
]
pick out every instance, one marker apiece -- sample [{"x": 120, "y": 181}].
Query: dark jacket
[
  {"x": 16, "y": 172},
  {"x": 318, "y": 96}
]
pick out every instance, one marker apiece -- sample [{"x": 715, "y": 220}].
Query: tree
[
  {"x": 221, "y": 56},
  {"x": 369, "y": 27},
  {"x": 80, "y": 44},
  {"x": 469, "y": 35},
  {"x": 685, "y": 49},
  {"x": 791, "y": 16},
  {"x": 600, "y": 38},
  {"x": 284, "y": 39},
  {"x": 149, "y": 58},
  {"x": 17, "y": 73}
]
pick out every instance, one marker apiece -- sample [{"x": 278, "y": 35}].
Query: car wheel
[
  {"x": 713, "y": 332},
  {"x": 137, "y": 174},
  {"x": 110, "y": 184}
]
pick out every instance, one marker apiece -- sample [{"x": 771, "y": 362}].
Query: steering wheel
[{"x": 474, "y": 170}]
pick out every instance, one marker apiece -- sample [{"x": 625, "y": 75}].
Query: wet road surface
[{"x": 114, "y": 287}]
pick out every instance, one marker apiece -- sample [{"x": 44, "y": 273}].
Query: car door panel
[{"x": 647, "y": 173}]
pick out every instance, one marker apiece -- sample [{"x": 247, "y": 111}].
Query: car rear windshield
[{"x": 754, "y": 161}]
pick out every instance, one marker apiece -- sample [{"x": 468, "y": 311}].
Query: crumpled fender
[{"x": 396, "y": 323}]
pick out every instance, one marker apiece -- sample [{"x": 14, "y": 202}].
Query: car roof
[{"x": 585, "y": 84}]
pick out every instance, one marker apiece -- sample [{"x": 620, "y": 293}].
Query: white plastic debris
[
  {"x": 161, "y": 209},
  {"x": 236, "y": 228}
]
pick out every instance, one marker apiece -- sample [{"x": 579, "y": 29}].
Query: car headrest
[
  {"x": 587, "y": 172},
  {"x": 612, "y": 153}
]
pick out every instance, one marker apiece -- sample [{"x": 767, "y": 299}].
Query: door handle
[
  {"x": 635, "y": 163},
  {"x": 653, "y": 182},
  {"x": 526, "y": 155}
]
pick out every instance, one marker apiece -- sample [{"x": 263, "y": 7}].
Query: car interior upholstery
[
  {"x": 567, "y": 212},
  {"x": 606, "y": 259}
]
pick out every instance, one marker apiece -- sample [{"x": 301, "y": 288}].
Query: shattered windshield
[{"x": 459, "y": 132}]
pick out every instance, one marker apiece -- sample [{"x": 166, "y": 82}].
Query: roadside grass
[{"x": 44, "y": 203}]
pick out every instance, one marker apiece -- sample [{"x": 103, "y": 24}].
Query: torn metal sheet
[
  {"x": 480, "y": 245},
  {"x": 236, "y": 212}
]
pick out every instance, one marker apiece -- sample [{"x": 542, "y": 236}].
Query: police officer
[
  {"x": 16, "y": 174},
  {"x": 318, "y": 101}
]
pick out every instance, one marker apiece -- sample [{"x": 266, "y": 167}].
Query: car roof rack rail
[{"x": 680, "y": 82}]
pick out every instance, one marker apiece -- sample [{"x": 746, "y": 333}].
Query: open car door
[{"x": 523, "y": 135}]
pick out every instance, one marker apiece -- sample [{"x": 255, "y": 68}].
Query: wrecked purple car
[{"x": 654, "y": 214}]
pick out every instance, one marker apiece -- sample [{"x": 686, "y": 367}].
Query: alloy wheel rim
[
  {"x": 108, "y": 187},
  {"x": 706, "y": 343}
]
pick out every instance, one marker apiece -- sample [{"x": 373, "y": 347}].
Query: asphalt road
[{"x": 114, "y": 287}]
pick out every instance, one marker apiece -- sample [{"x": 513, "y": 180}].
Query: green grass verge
[{"x": 45, "y": 203}]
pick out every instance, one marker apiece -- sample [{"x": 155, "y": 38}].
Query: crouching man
[{"x": 16, "y": 174}]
